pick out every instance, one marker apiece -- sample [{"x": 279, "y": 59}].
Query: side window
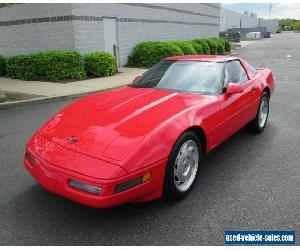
[
  {"x": 235, "y": 73},
  {"x": 253, "y": 70}
]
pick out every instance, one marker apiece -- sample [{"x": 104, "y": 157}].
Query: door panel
[
  {"x": 110, "y": 35},
  {"x": 239, "y": 108},
  {"x": 252, "y": 97},
  {"x": 231, "y": 106}
]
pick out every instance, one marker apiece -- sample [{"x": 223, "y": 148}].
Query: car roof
[{"x": 214, "y": 58}]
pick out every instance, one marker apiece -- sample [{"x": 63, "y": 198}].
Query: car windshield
[{"x": 186, "y": 76}]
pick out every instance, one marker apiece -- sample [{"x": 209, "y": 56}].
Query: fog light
[
  {"x": 131, "y": 184},
  {"x": 84, "y": 187}
]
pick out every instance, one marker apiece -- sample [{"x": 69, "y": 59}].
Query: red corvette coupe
[{"x": 146, "y": 140}]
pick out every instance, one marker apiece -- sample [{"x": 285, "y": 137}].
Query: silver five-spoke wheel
[
  {"x": 263, "y": 112},
  {"x": 257, "y": 125},
  {"x": 186, "y": 165}
]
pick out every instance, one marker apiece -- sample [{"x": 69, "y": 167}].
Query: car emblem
[{"x": 72, "y": 139}]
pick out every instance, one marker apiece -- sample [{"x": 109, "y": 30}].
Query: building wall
[
  {"x": 142, "y": 22},
  {"x": 23, "y": 28},
  {"x": 272, "y": 25},
  {"x": 37, "y": 27},
  {"x": 231, "y": 19}
]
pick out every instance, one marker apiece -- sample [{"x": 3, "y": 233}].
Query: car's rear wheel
[
  {"x": 182, "y": 166},
  {"x": 259, "y": 123}
]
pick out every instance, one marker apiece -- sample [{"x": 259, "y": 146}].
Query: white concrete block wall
[
  {"x": 131, "y": 33},
  {"x": 208, "y": 9},
  {"x": 33, "y": 37},
  {"x": 133, "y": 11},
  {"x": 82, "y": 32},
  {"x": 88, "y": 36},
  {"x": 27, "y": 38},
  {"x": 22, "y": 11}
]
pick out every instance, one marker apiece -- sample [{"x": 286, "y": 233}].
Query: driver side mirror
[
  {"x": 234, "y": 88},
  {"x": 137, "y": 78}
]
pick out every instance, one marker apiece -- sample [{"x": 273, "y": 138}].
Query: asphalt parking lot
[{"x": 251, "y": 182}]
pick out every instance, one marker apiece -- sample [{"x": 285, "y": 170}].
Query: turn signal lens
[
  {"x": 131, "y": 184},
  {"x": 146, "y": 177},
  {"x": 84, "y": 187}
]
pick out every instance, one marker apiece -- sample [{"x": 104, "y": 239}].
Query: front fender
[{"x": 159, "y": 143}]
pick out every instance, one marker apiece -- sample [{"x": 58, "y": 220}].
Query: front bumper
[{"x": 56, "y": 179}]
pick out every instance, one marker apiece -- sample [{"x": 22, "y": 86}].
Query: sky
[{"x": 278, "y": 10}]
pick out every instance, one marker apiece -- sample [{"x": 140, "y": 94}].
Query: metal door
[{"x": 110, "y": 35}]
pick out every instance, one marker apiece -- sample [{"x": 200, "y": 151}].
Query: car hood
[{"x": 112, "y": 123}]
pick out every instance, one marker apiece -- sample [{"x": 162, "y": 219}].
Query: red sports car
[{"x": 146, "y": 140}]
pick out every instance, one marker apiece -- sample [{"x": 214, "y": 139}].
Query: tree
[
  {"x": 6, "y": 4},
  {"x": 296, "y": 25},
  {"x": 287, "y": 24}
]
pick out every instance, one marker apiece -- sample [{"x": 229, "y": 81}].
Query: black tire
[
  {"x": 254, "y": 126},
  {"x": 170, "y": 191}
]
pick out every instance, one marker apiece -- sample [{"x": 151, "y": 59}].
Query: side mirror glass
[
  {"x": 137, "y": 78},
  {"x": 234, "y": 88}
]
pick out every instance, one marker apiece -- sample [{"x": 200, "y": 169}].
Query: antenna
[{"x": 270, "y": 9}]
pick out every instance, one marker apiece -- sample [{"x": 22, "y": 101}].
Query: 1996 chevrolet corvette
[{"x": 146, "y": 140}]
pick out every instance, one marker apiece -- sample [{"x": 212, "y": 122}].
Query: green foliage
[
  {"x": 146, "y": 54},
  {"x": 296, "y": 25},
  {"x": 212, "y": 46},
  {"x": 2, "y": 5},
  {"x": 219, "y": 40},
  {"x": 204, "y": 45},
  {"x": 100, "y": 64},
  {"x": 220, "y": 43},
  {"x": 197, "y": 47},
  {"x": 227, "y": 44},
  {"x": 2, "y": 65},
  {"x": 46, "y": 66},
  {"x": 220, "y": 48},
  {"x": 287, "y": 24},
  {"x": 186, "y": 47}
]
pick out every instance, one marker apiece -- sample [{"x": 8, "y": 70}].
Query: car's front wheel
[
  {"x": 260, "y": 121},
  {"x": 182, "y": 166}
]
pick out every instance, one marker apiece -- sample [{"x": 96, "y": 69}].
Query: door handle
[{"x": 253, "y": 88}]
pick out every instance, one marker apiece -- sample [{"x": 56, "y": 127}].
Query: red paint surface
[{"x": 127, "y": 132}]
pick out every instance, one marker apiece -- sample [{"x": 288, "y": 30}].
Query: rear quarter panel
[
  {"x": 264, "y": 77},
  {"x": 267, "y": 79}
]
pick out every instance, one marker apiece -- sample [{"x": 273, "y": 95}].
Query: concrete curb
[
  {"x": 2, "y": 97},
  {"x": 234, "y": 53},
  {"x": 41, "y": 100}
]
